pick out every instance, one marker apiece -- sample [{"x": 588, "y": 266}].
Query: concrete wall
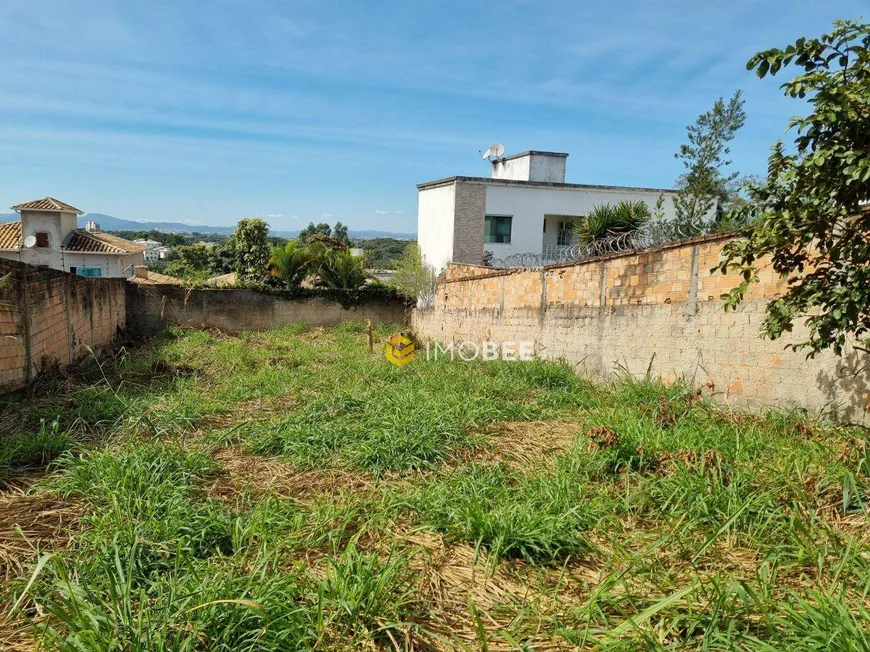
[
  {"x": 153, "y": 307},
  {"x": 435, "y": 209},
  {"x": 49, "y": 317},
  {"x": 548, "y": 167},
  {"x": 659, "y": 309}
]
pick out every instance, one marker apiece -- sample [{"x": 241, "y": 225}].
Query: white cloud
[
  {"x": 274, "y": 215},
  {"x": 327, "y": 216},
  {"x": 398, "y": 212},
  {"x": 382, "y": 212}
]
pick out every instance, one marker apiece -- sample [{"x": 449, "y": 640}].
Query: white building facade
[
  {"x": 47, "y": 235},
  {"x": 524, "y": 207}
]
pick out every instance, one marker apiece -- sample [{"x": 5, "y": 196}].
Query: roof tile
[
  {"x": 10, "y": 235},
  {"x": 47, "y": 204},
  {"x": 89, "y": 242}
]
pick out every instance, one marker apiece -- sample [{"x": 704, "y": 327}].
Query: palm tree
[
  {"x": 607, "y": 221},
  {"x": 338, "y": 270},
  {"x": 292, "y": 263}
]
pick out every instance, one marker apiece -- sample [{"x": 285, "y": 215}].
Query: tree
[
  {"x": 222, "y": 257},
  {"x": 338, "y": 270},
  {"x": 807, "y": 218},
  {"x": 292, "y": 263},
  {"x": 313, "y": 229},
  {"x": 413, "y": 278},
  {"x": 192, "y": 263},
  {"x": 252, "y": 248},
  {"x": 703, "y": 185},
  {"x": 339, "y": 232}
]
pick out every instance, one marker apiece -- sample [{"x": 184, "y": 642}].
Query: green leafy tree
[
  {"x": 339, "y": 232},
  {"x": 252, "y": 248},
  {"x": 808, "y": 218},
  {"x": 314, "y": 229},
  {"x": 292, "y": 263},
  {"x": 192, "y": 263},
  {"x": 704, "y": 186},
  {"x": 222, "y": 257},
  {"x": 413, "y": 278}
]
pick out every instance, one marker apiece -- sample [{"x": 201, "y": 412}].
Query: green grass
[{"x": 378, "y": 506}]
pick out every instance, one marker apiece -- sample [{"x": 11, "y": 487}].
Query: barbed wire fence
[{"x": 650, "y": 235}]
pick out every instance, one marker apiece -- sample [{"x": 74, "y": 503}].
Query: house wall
[
  {"x": 536, "y": 166},
  {"x": 658, "y": 310},
  {"x": 435, "y": 211},
  {"x": 49, "y": 317},
  {"x": 529, "y": 204},
  {"x": 151, "y": 308}
]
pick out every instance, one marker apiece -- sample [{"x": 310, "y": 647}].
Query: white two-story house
[
  {"x": 525, "y": 206},
  {"x": 47, "y": 234}
]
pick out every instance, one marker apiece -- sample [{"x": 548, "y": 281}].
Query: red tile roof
[
  {"x": 10, "y": 235},
  {"x": 99, "y": 243},
  {"x": 47, "y": 204}
]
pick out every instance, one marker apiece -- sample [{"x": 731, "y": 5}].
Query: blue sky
[{"x": 299, "y": 111}]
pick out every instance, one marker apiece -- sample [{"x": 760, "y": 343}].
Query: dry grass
[
  {"x": 245, "y": 474},
  {"x": 527, "y": 444}
]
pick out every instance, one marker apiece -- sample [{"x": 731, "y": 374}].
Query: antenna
[
  {"x": 30, "y": 242},
  {"x": 492, "y": 154}
]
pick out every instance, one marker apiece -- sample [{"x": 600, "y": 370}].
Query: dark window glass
[
  {"x": 497, "y": 228},
  {"x": 41, "y": 239}
]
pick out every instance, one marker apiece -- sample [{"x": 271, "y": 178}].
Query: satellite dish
[
  {"x": 495, "y": 150},
  {"x": 30, "y": 242}
]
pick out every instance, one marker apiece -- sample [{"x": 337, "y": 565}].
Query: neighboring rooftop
[
  {"x": 535, "y": 184},
  {"x": 144, "y": 276},
  {"x": 100, "y": 243},
  {"x": 10, "y": 235},
  {"x": 47, "y": 204}
]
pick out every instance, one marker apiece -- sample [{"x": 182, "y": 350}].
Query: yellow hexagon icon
[{"x": 399, "y": 351}]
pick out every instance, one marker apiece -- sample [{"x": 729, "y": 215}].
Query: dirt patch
[
  {"x": 252, "y": 474},
  {"x": 520, "y": 444}
]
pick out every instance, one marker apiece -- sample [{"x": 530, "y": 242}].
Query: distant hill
[{"x": 110, "y": 223}]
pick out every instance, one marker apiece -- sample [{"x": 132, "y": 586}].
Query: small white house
[
  {"x": 153, "y": 254},
  {"x": 47, "y": 235},
  {"x": 525, "y": 206},
  {"x": 149, "y": 244}
]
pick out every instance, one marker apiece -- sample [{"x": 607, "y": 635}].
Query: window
[
  {"x": 41, "y": 239},
  {"x": 89, "y": 271},
  {"x": 72, "y": 270},
  {"x": 497, "y": 228},
  {"x": 566, "y": 234}
]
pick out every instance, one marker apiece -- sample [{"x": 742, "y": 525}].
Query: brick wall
[
  {"x": 658, "y": 309},
  {"x": 153, "y": 307},
  {"x": 49, "y": 317}
]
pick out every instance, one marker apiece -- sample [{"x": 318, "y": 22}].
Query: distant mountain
[{"x": 110, "y": 223}]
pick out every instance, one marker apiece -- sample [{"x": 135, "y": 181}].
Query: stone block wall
[
  {"x": 49, "y": 317},
  {"x": 659, "y": 310}
]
